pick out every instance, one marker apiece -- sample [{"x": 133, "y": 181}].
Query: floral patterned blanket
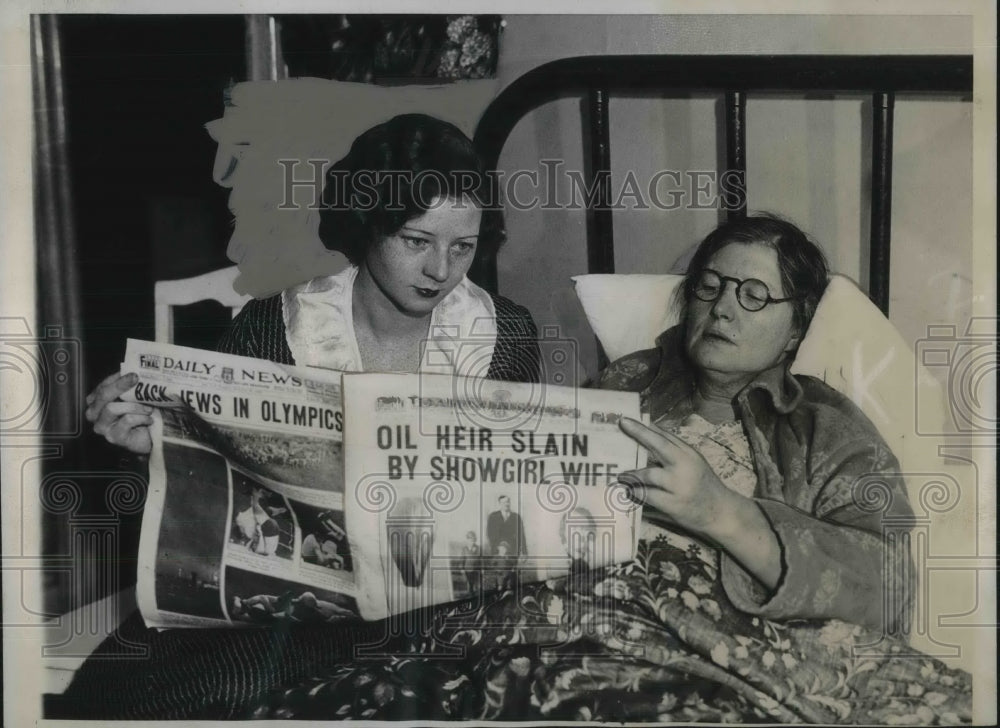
[{"x": 655, "y": 639}]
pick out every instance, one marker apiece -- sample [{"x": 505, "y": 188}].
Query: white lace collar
[{"x": 319, "y": 327}]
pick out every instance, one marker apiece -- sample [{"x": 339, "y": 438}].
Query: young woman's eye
[
  {"x": 463, "y": 247},
  {"x": 415, "y": 242}
]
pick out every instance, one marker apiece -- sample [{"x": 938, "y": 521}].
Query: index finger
[
  {"x": 662, "y": 445},
  {"x": 110, "y": 389},
  {"x": 121, "y": 384},
  {"x": 106, "y": 382}
]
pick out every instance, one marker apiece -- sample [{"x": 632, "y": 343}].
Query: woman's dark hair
[
  {"x": 803, "y": 267},
  {"x": 393, "y": 173}
]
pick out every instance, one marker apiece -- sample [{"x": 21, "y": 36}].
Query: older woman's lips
[{"x": 716, "y": 336}]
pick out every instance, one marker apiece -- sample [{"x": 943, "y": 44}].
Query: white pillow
[
  {"x": 628, "y": 312},
  {"x": 855, "y": 349}
]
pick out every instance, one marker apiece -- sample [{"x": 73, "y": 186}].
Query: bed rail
[{"x": 733, "y": 77}]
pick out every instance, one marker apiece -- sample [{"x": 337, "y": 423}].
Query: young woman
[{"x": 411, "y": 207}]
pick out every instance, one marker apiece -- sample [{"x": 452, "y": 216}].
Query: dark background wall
[{"x": 139, "y": 90}]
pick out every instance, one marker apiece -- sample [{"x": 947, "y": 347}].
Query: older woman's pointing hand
[
  {"x": 681, "y": 486},
  {"x": 683, "y": 490}
]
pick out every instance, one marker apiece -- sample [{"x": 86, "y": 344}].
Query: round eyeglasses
[{"x": 751, "y": 293}]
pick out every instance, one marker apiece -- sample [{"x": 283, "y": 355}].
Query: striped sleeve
[
  {"x": 258, "y": 331},
  {"x": 516, "y": 357}
]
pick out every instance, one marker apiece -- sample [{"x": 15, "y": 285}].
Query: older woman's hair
[
  {"x": 803, "y": 267},
  {"x": 393, "y": 173}
]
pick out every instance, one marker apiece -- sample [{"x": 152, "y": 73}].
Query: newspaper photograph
[
  {"x": 475, "y": 485},
  {"x": 244, "y": 521}
]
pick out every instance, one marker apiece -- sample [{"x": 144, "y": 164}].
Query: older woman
[
  {"x": 411, "y": 206},
  {"x": 764, "y": 464}
]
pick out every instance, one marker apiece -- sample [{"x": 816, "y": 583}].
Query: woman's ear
[{"x": 793, "y": 341}]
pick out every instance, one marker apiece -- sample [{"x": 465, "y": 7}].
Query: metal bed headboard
[{"x": 733, "y": 76}]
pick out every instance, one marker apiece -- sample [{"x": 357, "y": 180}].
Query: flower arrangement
[
  {"x": 391, "y": 48},
  {"x": 471, "y": 49}
]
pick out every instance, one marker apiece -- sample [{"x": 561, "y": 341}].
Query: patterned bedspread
[
  {"x": 655, "y": 639},
  {"x": 652, "y": 640}
]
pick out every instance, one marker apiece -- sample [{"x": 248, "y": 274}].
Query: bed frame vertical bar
[
  {"x": 881, "y": 213},
  {"x": 601, "y": 245},
  {"x": 734, "y": 177}
]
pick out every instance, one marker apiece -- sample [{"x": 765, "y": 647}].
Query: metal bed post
[
  {"x": 601, "y": 240},
  {"x": 736, "y": 153},
  {"x": 881, "y": 212},
  {"x": 601, "y": 245}
]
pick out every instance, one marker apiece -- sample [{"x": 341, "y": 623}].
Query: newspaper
[
  {"x": 265, "y": 506},
  {"x": 244, "y": 519},
  {"x": 473, "y": 484}
]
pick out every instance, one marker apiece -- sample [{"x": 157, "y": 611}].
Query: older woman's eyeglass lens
[{"x": 751, "y": 293}]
